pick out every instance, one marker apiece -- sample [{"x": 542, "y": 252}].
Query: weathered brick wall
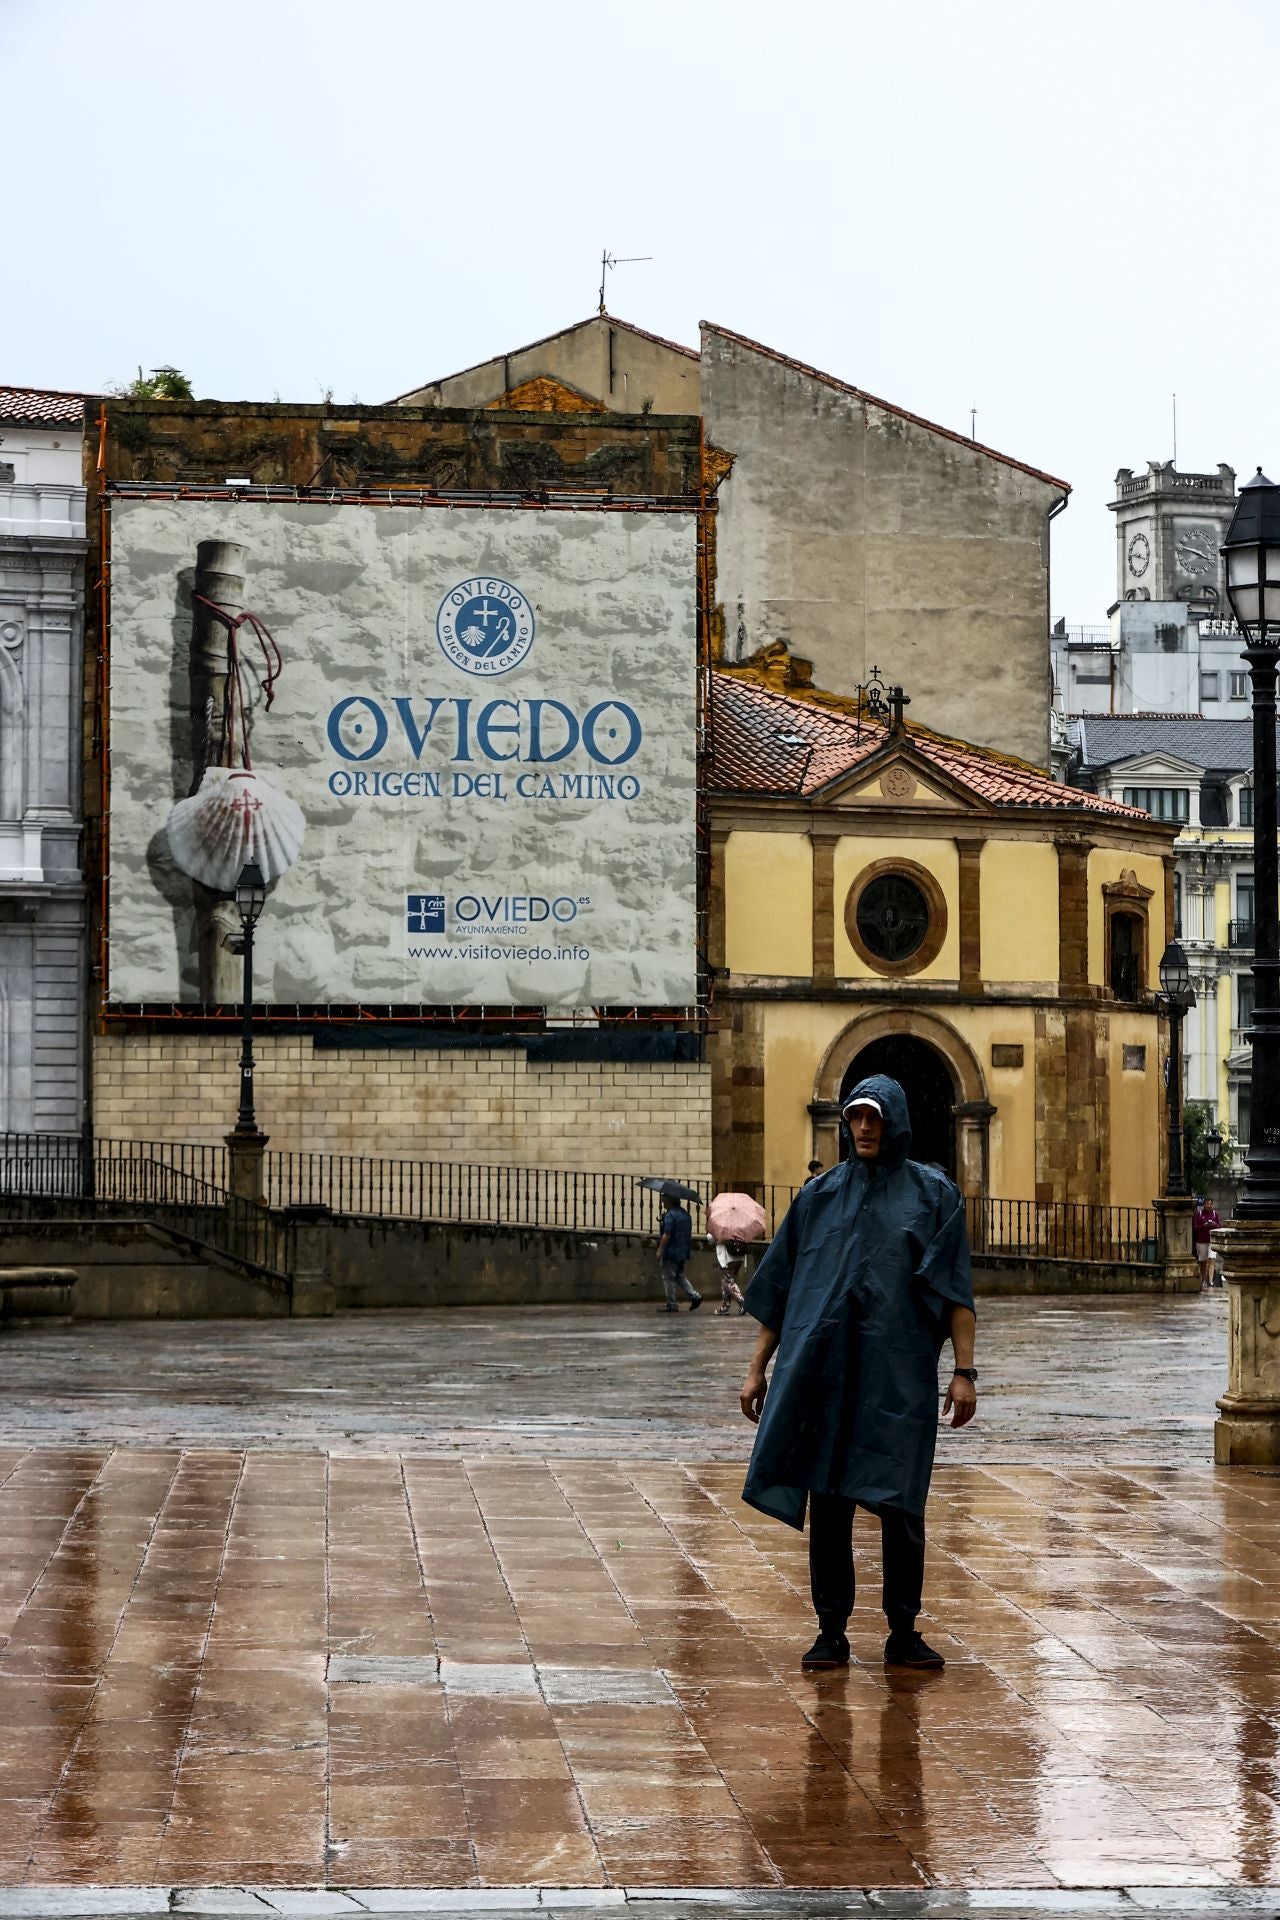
[{"x": 487, "y": 1106}]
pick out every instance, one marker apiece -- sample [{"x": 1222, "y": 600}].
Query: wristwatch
[{"x": 965, "y": 1373}]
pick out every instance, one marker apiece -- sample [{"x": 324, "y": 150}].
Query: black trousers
[{"x": 831, "y": 1579}]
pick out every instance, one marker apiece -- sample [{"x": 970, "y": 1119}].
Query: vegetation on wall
[
  {"x": 1199, "y": 1129},
  {"x": 162, "y": 383}
]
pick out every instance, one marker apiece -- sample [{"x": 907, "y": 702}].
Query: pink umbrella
[{"x": 736, "y": 1216}]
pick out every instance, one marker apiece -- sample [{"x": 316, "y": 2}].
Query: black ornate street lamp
[
  {"x": 1252, "y": 553},
  {"x": 1178, "y": 994},
  {"x": 250, "y": 898}
]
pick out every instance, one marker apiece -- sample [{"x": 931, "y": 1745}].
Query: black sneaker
[
  {"x": 695, "y": 1303},
  {"x": 828, "y": 1650},
  {"x": 666, "y": 1309},
  {"x": 911, "y": 1650}
]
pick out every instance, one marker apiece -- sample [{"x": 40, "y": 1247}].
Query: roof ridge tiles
[
  {"x": 56, "y": 393},
  {"x": 748, "y": 760},
  {"x": 41, "y": 406}
]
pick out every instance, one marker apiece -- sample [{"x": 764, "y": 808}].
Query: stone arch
[{"x": 973, "y": 1109}]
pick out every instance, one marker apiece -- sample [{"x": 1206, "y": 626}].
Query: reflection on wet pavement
[
  {"x": 378, "y": 1670},
  {"x": 1136, "y": 1378}
]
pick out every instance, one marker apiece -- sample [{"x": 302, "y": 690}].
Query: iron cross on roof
[{"x": 879, "y": 702}]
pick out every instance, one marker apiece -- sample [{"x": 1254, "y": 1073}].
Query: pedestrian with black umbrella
[{"x": 675, "y": 1244}]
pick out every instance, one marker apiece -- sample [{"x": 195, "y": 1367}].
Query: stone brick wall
[
  {"x": 474, "y": 1104},
  {"x": 861, "y": 537},
  {"x": 1073, "y": 1102}
]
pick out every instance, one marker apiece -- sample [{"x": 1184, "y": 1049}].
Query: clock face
[
  {"x": 1196, "y": 551},
  {"x": 1139, "y": 555}
]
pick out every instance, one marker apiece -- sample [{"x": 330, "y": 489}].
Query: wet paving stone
[
  {"x": 1110, "y": 1715},
  {"x": 545, "y": 1658},
  {"x": 1136, "y": 1378}
]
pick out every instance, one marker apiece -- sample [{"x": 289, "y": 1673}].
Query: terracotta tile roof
[
  {"x": 748, "y": 754},
  {"x": 673, "y": 346},
  {"x": 887, "y": 406},
  {"x": 41, "y": 406}
]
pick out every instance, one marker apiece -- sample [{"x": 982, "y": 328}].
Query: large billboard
[{"x": 461, "y": 744}]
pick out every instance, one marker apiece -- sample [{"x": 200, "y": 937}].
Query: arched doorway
[
  {"x": 855, "y": 1051},
  {"x": 925, "y": 1078}
]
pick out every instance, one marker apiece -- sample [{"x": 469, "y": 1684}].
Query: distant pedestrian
[
  {"x": 815, "y": 1168},
  {"x": 734, "y": 1222},
  {"x": 731, "y": 1257},
  {"x": 1204, "y": 1220},
  {"x": 675, "y": 1244}
]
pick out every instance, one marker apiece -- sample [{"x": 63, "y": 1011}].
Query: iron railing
[
  {"x": 70, "y": 1165},
  {"x": 1064, "y": 1230},
  {"x": 51, "y": 1176},
  {"x": 495, "y": 1195},
  {"x": 1240, "y": 933},
  {"x": 178, "y": 1175}
]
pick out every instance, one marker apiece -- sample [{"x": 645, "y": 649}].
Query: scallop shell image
[{"x": 236, "y": 816}]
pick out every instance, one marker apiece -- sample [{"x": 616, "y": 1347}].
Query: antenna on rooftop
[
  {"x": 1175, "y": 429},
  {"x": 608, "y": 260},
  {"x": 973, "y": 423}
]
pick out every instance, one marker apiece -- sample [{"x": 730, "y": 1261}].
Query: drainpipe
[{"x": 1059, "y": 506}]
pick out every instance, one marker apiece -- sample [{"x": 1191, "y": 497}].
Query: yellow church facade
[{"x": 883, "y": 899}]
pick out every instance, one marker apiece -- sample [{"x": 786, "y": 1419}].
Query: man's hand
[
  {"x": 751, "y": 1399},
  {"x": 961, "y": 1401}
]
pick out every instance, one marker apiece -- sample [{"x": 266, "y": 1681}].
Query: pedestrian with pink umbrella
[{"x": 734, "y": 1220}]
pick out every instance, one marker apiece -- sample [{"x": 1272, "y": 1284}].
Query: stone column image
[{"x": 220, "y": 578}]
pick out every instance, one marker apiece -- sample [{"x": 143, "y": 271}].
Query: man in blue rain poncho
[{"x": 864, "y": 1280}]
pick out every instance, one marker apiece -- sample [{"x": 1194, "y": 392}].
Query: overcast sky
[{"x": 1057, "y": 214}]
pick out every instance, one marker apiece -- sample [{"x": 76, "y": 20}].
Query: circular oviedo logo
[{"x": 485, "y": 626}]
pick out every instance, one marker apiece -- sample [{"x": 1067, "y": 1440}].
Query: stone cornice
[
  {"x": 52, "y": 546},
  {"x": 1045, "y": 825},
  {"x": 921, "y": 993}
]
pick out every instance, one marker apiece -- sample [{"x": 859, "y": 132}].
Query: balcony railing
[
  {"x": 1165, "y": 481},
  {"x": 1240, "y": 934}
]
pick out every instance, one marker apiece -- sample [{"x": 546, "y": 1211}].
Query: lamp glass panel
[
  {"x": 251, "y": 893},
  {"x": 1271, "y": 591},
  {"x": 1175, "y": 973},
  {"x": 1245, "y": 604}
]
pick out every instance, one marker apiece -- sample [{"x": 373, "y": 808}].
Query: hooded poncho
[{"x": 859, "y": 1280}]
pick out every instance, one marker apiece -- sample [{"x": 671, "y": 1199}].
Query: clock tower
[{"x": 1169, "y": 527}]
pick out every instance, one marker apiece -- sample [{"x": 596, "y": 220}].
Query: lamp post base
[
  {"x": 1175, "y": 1212},
  {"x": 1247, "y": 1433},
  {"x": 311, "y": 1289},
  {"x": 247, "y": 1152}
]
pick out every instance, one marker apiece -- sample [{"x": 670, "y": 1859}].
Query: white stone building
[
  {"x": 42, "y": 902},
  {"x": 1169, "y": 645},
  {"x": 1198, "y": 774}
]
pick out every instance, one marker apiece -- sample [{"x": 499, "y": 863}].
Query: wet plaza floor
[
  {"x": 468, "y": 1602},
  {"x": 1136, "y": 1378}
]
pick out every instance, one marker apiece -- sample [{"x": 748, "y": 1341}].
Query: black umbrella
[{"x": 671, "y": 1189}]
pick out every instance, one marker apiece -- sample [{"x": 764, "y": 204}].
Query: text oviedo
[{"x": 460, "y": 729}]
